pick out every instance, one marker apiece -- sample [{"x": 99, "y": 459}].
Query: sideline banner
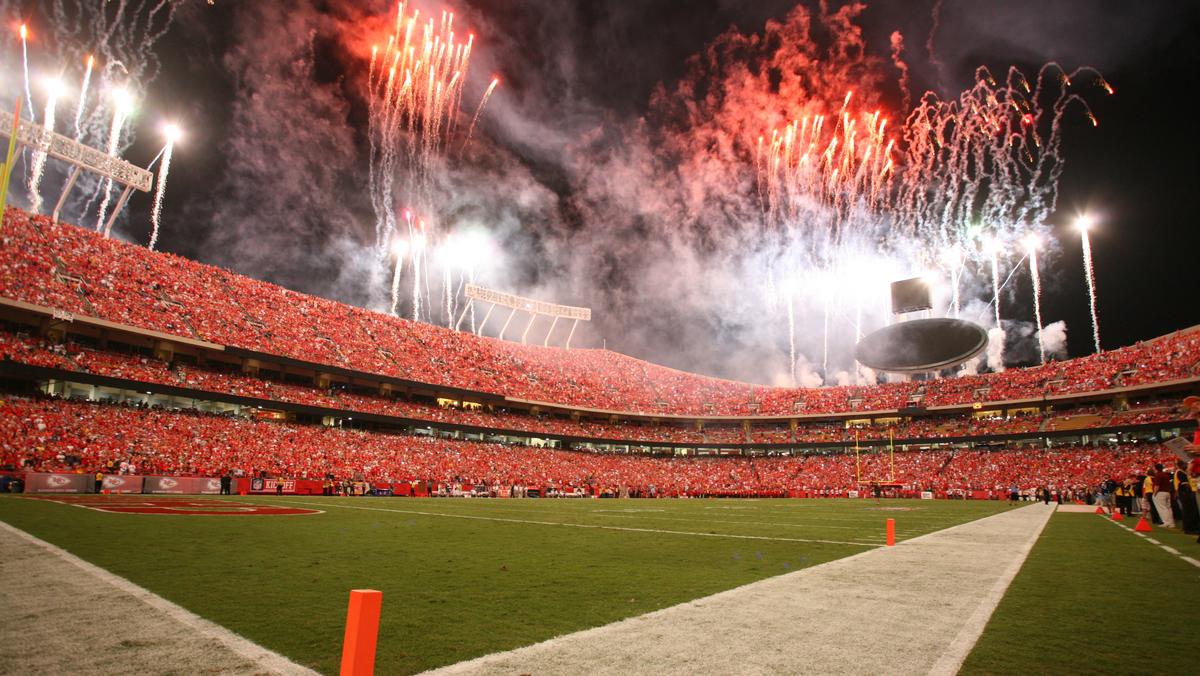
[
  {"x": 41, "y": 482},
  {"x": 182, "y": 485},
  {"x": 926, "y": 495},
  {"x": 268, "y": 485},
  {"x": 115, "y": 483}
]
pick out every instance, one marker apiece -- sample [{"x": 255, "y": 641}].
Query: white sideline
[
  {"x": 954, "y": 656},
  {"x": 267, "y": 660},
  {"x": 589, "y": 525},
  {"x": 894, "y": 610},
  {"x": 1165, "y": 548}
]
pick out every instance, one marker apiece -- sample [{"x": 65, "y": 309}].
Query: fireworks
[
  {"x": 25, "y": 64},
  {"x": 826, "y": 163},
  {"x": 122, "y": 105},
  {"x": 414, "y": 90},
  {"x": 1084, "y": 223},
  {"x": 796, "y": 143},
  {"x": 54, "y": 88},
  {"x": 172, "y": 133},
  {"x": 1032, "y": 244},
  {"x": 83, "y": 90}
]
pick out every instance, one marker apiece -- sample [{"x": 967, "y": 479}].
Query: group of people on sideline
[{"x": 1164, "y": 494}]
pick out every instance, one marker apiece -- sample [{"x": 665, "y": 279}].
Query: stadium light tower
[{"x": 1083, "y": 224}]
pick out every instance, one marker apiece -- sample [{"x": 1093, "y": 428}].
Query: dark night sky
[{"x": 1136, "y": 171}]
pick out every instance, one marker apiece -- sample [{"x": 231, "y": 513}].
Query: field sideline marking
[
  {"x": 953, "y": 657},
  {"x": 601, "y": 527},
  {"x": 265, "y": 659},
  {"x": 705, "y": 614},
  {"x": 652, "y": 515},
  {"x": 1169, "y": 550}
]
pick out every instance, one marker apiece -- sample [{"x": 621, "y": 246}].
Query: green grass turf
[
  {"x": 456, "y": 588},
  {"x": 1094, "y": 598}
]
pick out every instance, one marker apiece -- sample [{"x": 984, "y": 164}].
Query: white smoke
[
  {"x": 1054, "y": 339},
  {"x": 995, "y": 349}
]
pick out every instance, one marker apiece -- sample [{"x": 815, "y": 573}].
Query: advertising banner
[
  {"x": 269, "y": 485},
  {"x": 182, "y": 485},
  {"x": 115, "y": 483},
  {"x": 39, "y": 482}
]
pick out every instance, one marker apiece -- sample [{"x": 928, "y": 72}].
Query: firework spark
[
  {"x": 1032, "y": 244},
  {"x": 122, "y": 104},
  {"x": 172, "y": 133},
  {"x": 414, "y": 88},
  {"x": 83, "y": 90},
  {"x": 1084, "y": 223},
  {"x": 54, "y": 88},
  {"x": 794, "y": 141},
  {"x": 24, "y": 30}
]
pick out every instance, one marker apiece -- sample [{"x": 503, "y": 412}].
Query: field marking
[
  {"x": 848, "y": 615},
  {"x": 603, "y": 527},
  {"x": 129, "y": 505},
  {"x": 952, "y": 659},
  {"x": 510, "y": 506},
  {"x": 268, "y": 660},
  {"x": 1169, "y": 550}
]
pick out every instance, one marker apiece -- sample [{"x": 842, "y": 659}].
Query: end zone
[{"x": 126, "y": 504}]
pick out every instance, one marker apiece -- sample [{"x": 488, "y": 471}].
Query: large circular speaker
[{"x": 921, "y": 345}]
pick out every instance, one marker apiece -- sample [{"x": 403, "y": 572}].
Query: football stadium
[{"x": 590, "y": 338}]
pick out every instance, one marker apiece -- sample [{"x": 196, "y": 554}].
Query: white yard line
[
  {"x": 1170, "y": 550},
  {"x": 915, "y": 608},
  {"x": 590, "y": 526},
  {"x": 96, "y": 610}
]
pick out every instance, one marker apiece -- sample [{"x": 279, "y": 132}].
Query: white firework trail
[
  {"x": 38, "y": 165},
  {"x": 25, "y": 64},
  {"x": 83, "y": 90},
  {"x": 1035, "y": 275},
  {"x": 156, "y": 212},
  {"x": 1090, "y": 273},
  {"x": 120, "y": 110}
]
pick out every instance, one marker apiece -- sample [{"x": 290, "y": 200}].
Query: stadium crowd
[
  {"x": 76, "y": 270},
  {"x": 72, "y": 356},
  {"x": 62, "y": 435}
]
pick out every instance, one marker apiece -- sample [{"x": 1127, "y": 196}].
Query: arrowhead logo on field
[
  {"x": 213, "y": 485},
  {"x": 58, "y": 481},
  {"x": 168, "y": 483},
  {"x": 113, "y": 482}
]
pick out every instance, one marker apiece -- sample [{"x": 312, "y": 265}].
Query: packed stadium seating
[
  {"x": 72, "y": 356},
  {"x": 46, "y": 434},
  {"x": 75, "y": 270}
]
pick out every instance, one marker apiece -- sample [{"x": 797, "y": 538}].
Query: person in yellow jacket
[{"x": 1147, "y": 494}]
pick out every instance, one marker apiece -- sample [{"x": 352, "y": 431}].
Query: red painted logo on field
[{"x": 185, "y": 506}]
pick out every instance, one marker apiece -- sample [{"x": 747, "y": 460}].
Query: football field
[
  {"x": 461, "y": 578},
  {"x": 471, "y": 579}
]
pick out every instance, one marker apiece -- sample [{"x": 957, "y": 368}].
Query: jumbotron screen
[{"x": 910, "y": 295}]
